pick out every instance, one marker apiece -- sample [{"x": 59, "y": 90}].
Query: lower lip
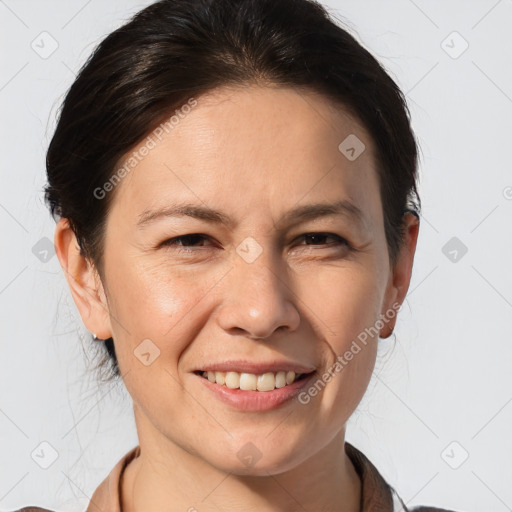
[{"x": 256, "y": 400}]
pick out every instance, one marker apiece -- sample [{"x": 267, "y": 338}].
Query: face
[{"x": 257, "y": 281}]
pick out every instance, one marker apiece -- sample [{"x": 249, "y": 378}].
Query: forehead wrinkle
[{"x": 299, "y": 214}]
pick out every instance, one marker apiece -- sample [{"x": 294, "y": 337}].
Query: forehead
[{"x": 254, "y": 149}]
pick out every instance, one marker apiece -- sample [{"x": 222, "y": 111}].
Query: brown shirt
[{"x": 376, "y": 494}]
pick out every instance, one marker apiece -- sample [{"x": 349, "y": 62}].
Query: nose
[{"x": 257, "y": 298}]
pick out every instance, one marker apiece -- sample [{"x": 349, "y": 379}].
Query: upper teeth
[{"x": 251, "y": 382}]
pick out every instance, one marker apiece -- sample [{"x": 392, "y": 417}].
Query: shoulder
[
  {"x": 33, "y": 509},
  {"x": 424, "y": 508},
  {"x": 377, "y": 493},
  {"x": 399, "y": 505}
]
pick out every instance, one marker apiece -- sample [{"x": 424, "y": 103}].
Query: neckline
[{"x": 376, "y": 493}]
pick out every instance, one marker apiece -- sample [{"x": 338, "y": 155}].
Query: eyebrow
[{"x": 294, "y": 216}]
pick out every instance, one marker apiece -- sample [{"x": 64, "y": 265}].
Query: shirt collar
[{"x": 376, "y": 494}]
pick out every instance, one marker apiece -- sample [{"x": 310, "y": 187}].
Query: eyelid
[
  {"x": 340, "y": 240},
  {"x": 173, "y": 242}
]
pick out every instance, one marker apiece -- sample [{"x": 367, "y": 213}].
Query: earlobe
[{"x": 83, "y": 280}]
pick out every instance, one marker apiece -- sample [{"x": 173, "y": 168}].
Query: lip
[
  {"x": 244, "y": 366},
  {"x": 256, "y": 401}
]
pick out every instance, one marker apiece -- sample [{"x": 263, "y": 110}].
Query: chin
[{"x": 258, "y": 459}]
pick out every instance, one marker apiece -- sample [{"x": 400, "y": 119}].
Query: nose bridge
[
  {"x": 256, "y": 263},
  {"x": 258, "y": 298}
]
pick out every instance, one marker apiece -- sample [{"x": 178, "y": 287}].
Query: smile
[
  {"x": 250, "y": 382},
  {"x": 270, "y": 397}
]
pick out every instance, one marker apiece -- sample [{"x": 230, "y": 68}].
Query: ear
[
  {"x": 400, "y": 276},
  {"x": 83, "y": 280}
]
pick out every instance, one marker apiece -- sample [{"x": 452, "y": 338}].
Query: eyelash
[{"x": 173, "y": 242}]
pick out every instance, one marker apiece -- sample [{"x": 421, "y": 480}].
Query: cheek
[
  {"x": 161, "y": 313},
  {"x": 343, "y": 299},
  {"x": 344, "y": 304},
  {"x": 155, "y": 303}
]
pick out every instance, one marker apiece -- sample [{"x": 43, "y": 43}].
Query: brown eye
[
  {"x": 318, "y": 238},
  {"x": 185, "y": 243},
  {"x": 186, "y": 239}
]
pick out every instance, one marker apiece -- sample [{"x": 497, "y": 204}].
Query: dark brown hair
[{"x": 175, "y": 49}]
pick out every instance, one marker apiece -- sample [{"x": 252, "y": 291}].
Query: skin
[{"x": 253, "y": 153}]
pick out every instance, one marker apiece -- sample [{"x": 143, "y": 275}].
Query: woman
[{"x": 235, "y": 189}]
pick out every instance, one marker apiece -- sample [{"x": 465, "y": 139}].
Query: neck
[{"x": 167, "y": 477}]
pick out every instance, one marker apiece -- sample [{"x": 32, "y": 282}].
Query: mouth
[
  {"x": 268, "y": 381},
  {"x": 255, "y": 392}
]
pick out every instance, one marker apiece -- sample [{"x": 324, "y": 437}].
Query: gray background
[{"x": 442, "y": 394}]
